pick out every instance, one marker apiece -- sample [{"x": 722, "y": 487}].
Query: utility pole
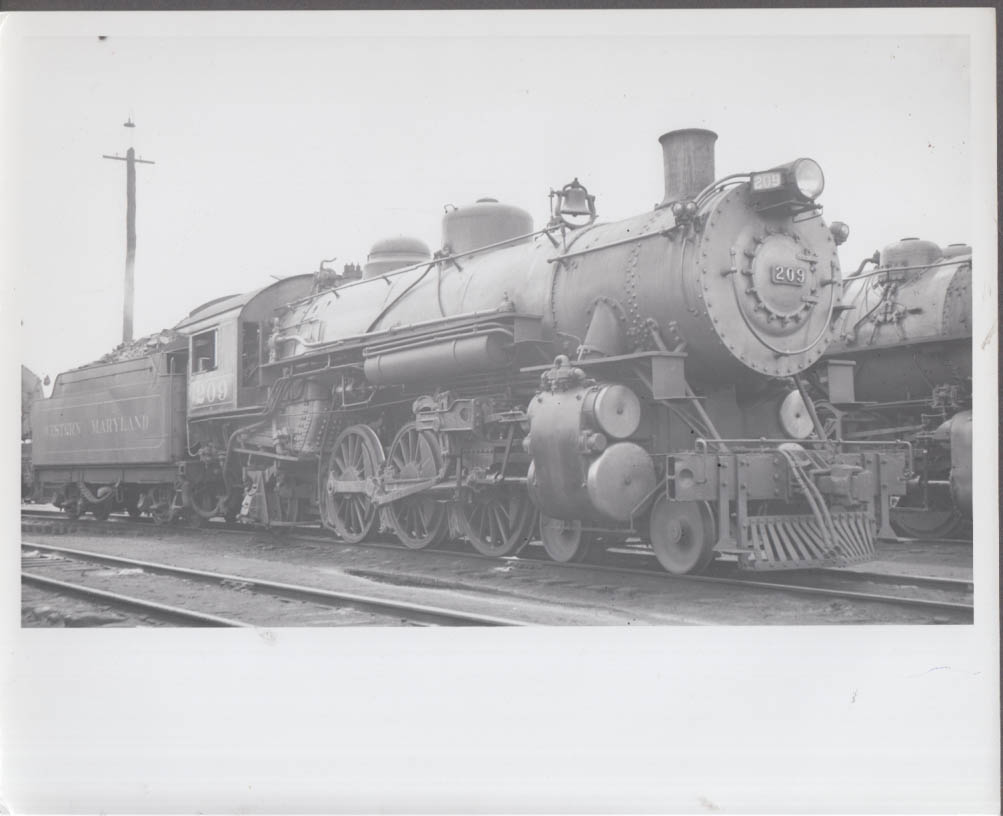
[{"x": 130, "y": 232}]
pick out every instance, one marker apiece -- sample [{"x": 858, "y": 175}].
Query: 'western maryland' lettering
[
  {"x": 63, "y": 429},
  {"x": 121, "y": 424}
]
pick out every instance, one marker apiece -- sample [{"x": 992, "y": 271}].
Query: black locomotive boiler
[
  {"x": 631, "y": 379},
  {"x": 907, "y": 341}
]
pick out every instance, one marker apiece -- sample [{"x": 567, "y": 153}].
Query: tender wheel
[
  {"x": 927, "y": 524},
  {"x": 497, "y": 521},
  {"x": 565, "y": 541},
  {"x": 159, "y": 501},
  {"x": 357, "y": 457},
  {"x": 100, "y": 511},
  {"x": 69, "y": 501},
  {"x": 130, "y": 502},
  {"x": 204, "y": 502},
  {"x": 418, "y": 521},
  {"x": 682, "y": 535}
]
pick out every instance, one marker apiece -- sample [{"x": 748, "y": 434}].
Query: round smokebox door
[{"x": 782, "y": 286}]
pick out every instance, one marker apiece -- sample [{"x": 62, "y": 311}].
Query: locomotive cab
[{"x": 228, "y": 345}]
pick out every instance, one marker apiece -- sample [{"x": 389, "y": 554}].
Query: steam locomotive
[
  {"x": 584, "y": 382},
  {"x": 908, "y": 340}
]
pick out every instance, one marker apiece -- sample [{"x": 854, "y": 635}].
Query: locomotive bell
[
  {"x": 574, "y": 204},
  {"x": 575, "y": 200},
  {"x": 574, "y": 207}
]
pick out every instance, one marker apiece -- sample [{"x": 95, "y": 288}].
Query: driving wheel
[
  {"x": 345, "y": 507},
  {"x": 418, "y": 520},
  {"x": 496, "y": 520}
]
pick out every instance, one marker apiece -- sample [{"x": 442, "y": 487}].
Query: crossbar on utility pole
[{"x": 130, "y": 233}]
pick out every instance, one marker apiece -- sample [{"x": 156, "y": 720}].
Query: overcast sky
[{"x": 282, "y": 140}]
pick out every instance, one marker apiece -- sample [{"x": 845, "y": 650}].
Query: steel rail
[
  {"x": 949, "y": 584},
  {"x": 419, "y": 613},
  {"x": 931, "y": 581},
  {"x": 898, "y": 600},
  {"x": 236, "y": 528},
  {"x": 751, "y": 581},
  {"x": 116, "y": 599},
  {"x": 967, "y": 541}
]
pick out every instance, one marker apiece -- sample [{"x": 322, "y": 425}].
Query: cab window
[{"x": 204, "y": 351}]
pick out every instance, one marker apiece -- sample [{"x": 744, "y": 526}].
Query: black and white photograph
[{"x": 644, "y": 361}]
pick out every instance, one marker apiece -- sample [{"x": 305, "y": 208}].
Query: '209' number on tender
[{"x": 788, "y": 275}]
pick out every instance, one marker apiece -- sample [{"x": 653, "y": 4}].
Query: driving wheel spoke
[
  {"x": 495, "y": 521},
  {"x": 417, "y": 520},
  {"x": 356, "y": 457}
]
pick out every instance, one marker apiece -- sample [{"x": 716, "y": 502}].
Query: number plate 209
[
  {"x": 208, "y": 392},
  {"x": 788, "y": 275}
]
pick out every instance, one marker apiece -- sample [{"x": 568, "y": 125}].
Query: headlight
[
  {"x": 808, "y": 178},
  {"x": 793, "y": 186}
]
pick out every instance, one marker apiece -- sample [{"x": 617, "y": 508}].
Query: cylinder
[
  {"x": 442, "y": 360},
  {"x": 688, "y": 162}
]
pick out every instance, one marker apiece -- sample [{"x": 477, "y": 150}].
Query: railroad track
[
  {"x": 397, "y": 610},
  {"x": 144, "y": 608},
  {"x": 939, "y": 594},
  {"x": 928, "y": 594}
]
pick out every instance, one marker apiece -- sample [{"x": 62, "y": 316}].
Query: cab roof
[{"x": 251, "y": 306}]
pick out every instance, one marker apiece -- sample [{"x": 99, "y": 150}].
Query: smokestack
[{"x": 688, "y": 159}]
